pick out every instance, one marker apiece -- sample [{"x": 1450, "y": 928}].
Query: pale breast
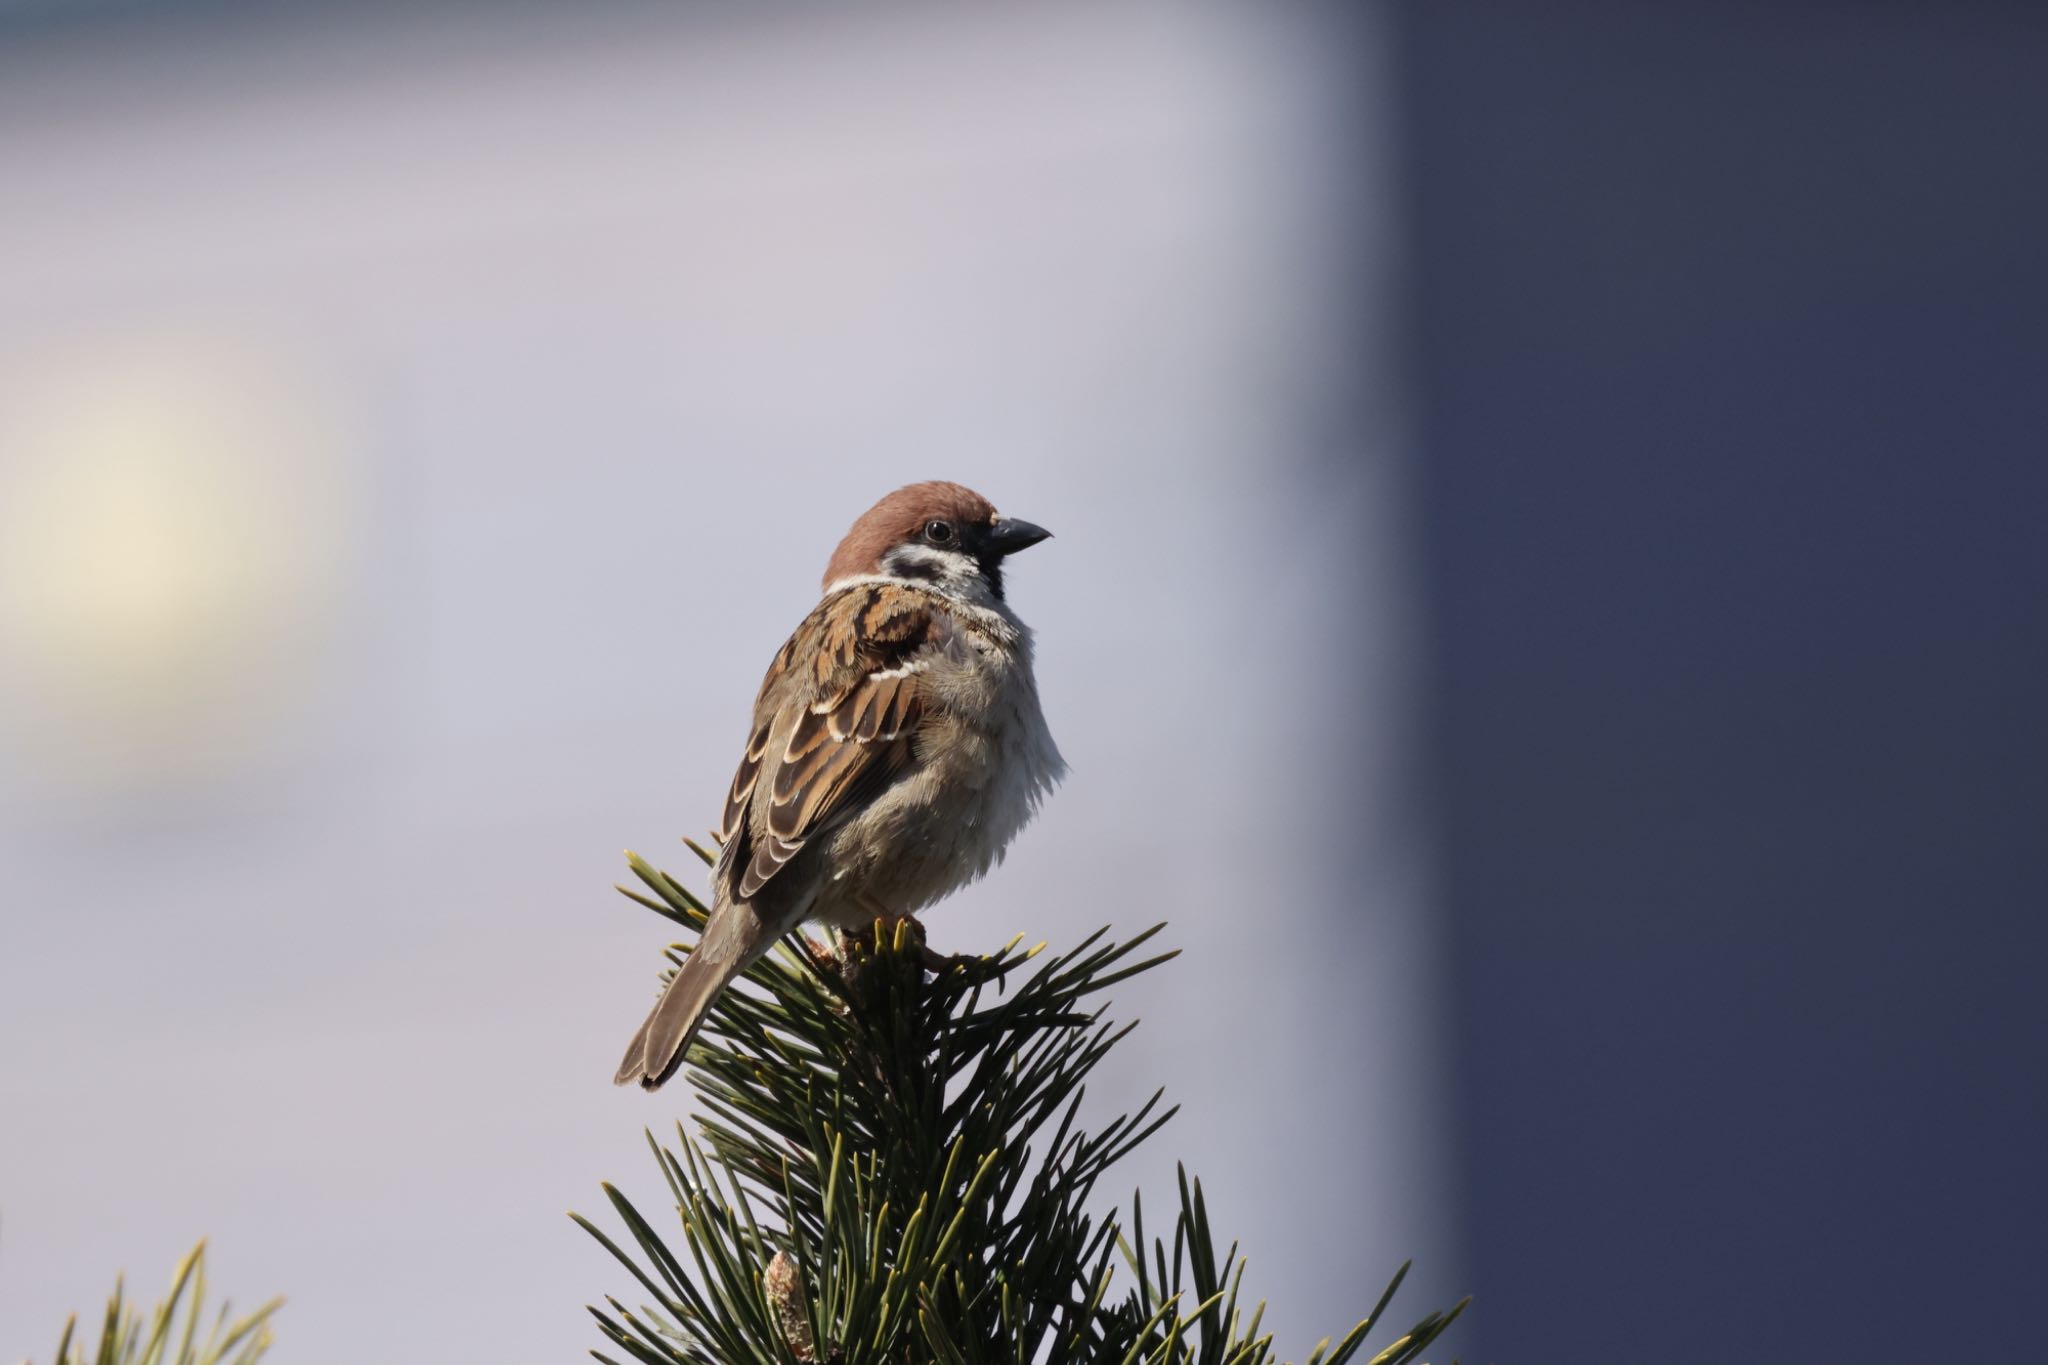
[{"x": 986, "y": 761}]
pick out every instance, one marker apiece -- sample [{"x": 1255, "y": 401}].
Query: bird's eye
[{"x": 938, "y": 532}]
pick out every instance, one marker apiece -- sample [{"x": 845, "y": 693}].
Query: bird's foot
[
  {"x": 906, "y": 935},
  {"x": 910, "y": 939},
  {"x": 887, "y": 932}
]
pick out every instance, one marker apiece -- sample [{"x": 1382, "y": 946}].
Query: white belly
[{"x": 986, "y": 761}]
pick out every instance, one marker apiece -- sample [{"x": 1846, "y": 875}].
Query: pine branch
[
  {"x": 127, "y": 1338},
  {"x": 890, "y": 1168}
]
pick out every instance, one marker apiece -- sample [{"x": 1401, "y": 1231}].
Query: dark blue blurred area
[{"x": 1732, "y": 357}]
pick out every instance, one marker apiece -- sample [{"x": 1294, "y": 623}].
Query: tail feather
[{"x": 731, "y": 943}]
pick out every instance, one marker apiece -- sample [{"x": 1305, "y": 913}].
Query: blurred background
[{"x": 1546, "y": 599}]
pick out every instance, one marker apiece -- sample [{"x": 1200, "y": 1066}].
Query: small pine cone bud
[
  {"x": 880, "y": 958},
  {"x": 785, "y": 1288}
]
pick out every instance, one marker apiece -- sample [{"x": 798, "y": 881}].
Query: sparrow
[{"x": 896, "y": 748}]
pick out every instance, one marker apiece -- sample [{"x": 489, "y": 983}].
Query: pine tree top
[{"x": 890, "y": 1169}]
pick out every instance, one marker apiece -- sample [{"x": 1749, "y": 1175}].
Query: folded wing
[{"x": 828, "y": 743}]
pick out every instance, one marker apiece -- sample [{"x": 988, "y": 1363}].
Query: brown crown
[{"x": 900, "y": 517}]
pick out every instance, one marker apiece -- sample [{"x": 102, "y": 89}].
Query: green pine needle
[
  {"x": 126, "y": 1337},
  {"x": 890, "y": 1168}
]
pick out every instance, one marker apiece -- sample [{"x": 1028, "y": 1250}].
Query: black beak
[{"x": 1011, "y": 534}]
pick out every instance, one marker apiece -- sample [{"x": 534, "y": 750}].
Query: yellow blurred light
[{"x": 168, "y": 537}]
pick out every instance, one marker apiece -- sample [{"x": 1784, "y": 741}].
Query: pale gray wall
[{"x": 418, "y": 435}]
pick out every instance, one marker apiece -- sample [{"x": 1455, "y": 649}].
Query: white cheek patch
[{"x": 930, "y": 563}]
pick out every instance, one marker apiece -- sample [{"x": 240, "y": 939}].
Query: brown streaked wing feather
[
  {"x": 737, "y": 853},
  {"x": 769, "y": 856},
  {"x": 846, "y": 746},
  {"x": 743, "y": 781}
]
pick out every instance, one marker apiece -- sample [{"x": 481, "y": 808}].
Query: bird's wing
[{"x": 832, "y": 727}]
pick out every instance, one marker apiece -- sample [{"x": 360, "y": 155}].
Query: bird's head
[{"x": 939, "y": 533}]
